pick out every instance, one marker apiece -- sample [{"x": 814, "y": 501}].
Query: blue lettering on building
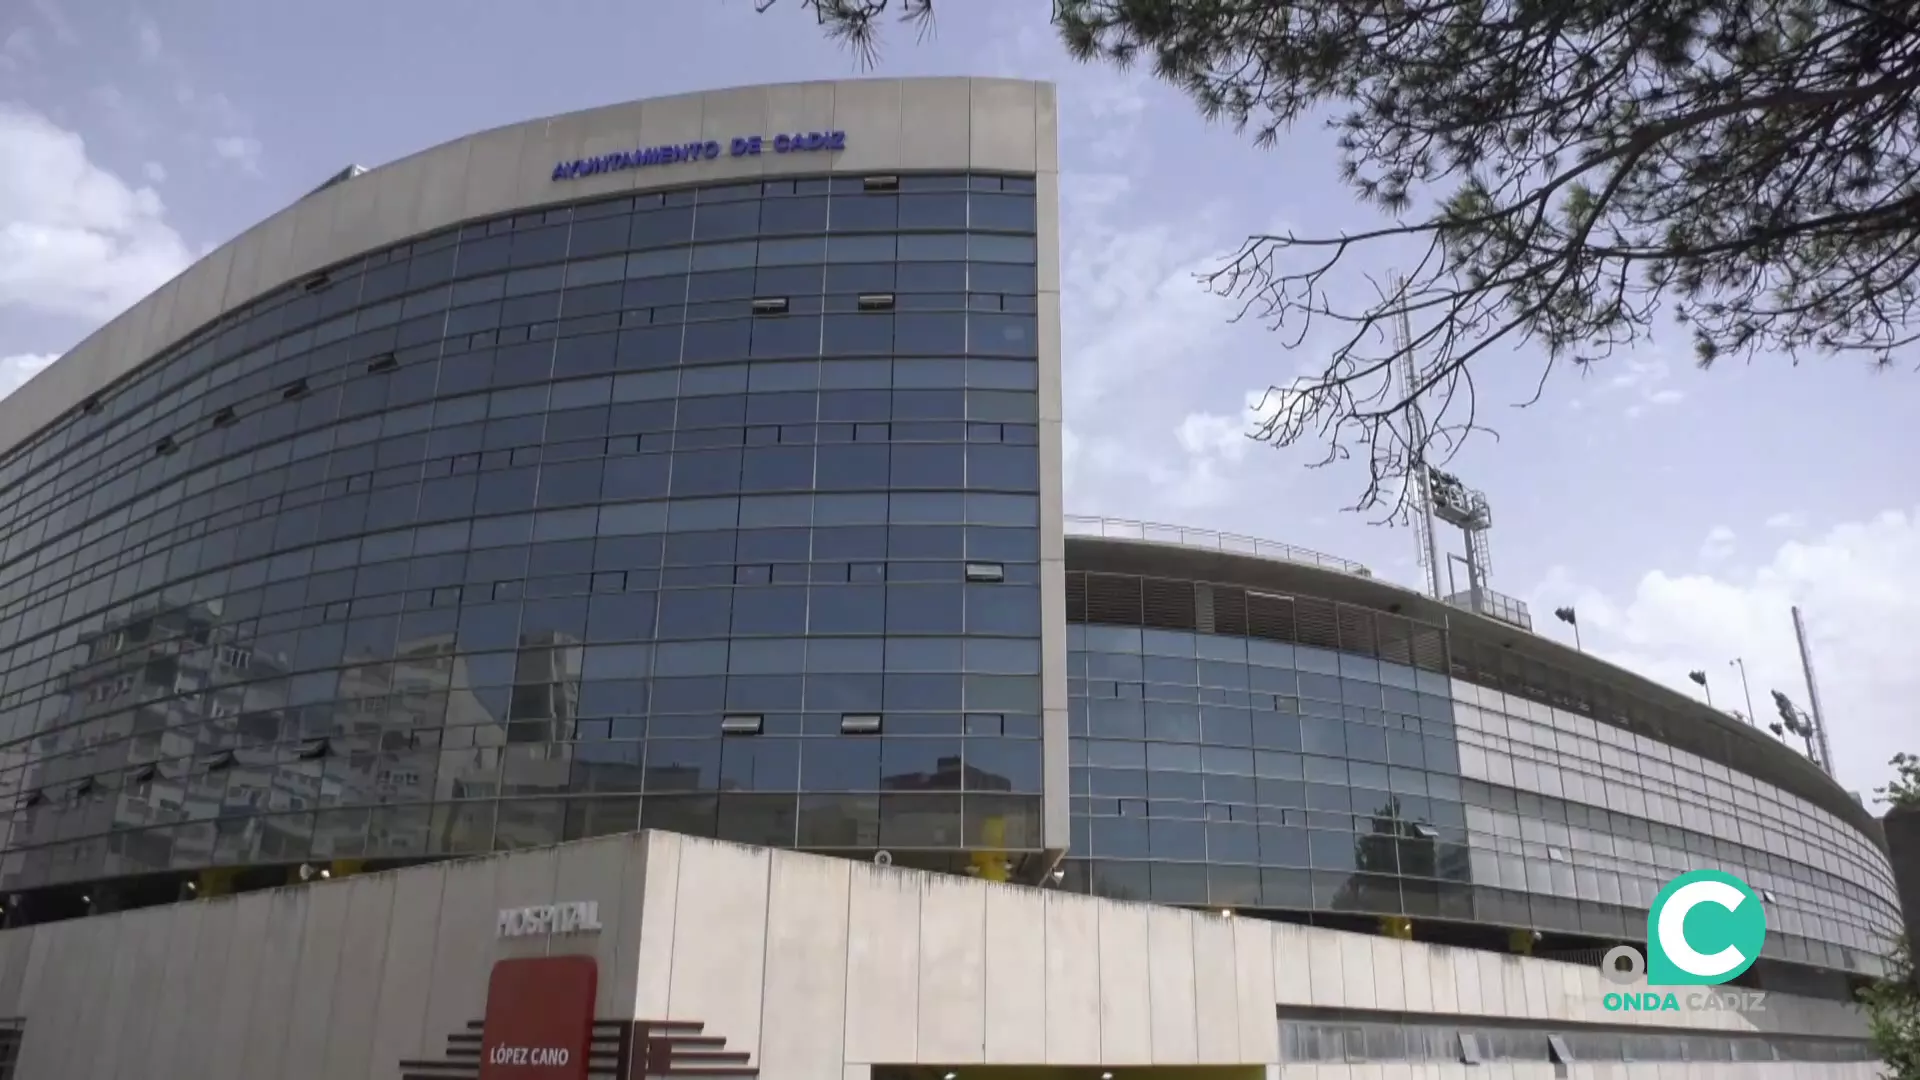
[{"x": 799, "y": 142}]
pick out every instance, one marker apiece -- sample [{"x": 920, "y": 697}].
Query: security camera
[
  {"x": 883, "y": 858},
  {"x": 306, "y": 872}
]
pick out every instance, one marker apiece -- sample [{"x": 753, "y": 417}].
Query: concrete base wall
[{"x": 816, "y": 967}]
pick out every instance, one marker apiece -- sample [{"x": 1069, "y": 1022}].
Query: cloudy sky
[{"x": 1682, "y": 512}]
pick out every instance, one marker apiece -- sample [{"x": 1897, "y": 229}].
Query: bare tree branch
[{"x": 1569, "y": 170}]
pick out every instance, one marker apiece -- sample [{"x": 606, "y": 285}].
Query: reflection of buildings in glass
[
  {"x": 1394, "y": 848},
  {"x": 948, "y": 775},
  {"x": 546, "y": 688},
  {"x": 154, "y": 708}
]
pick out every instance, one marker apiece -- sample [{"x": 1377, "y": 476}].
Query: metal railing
[{"x": 1183, "y": 536}]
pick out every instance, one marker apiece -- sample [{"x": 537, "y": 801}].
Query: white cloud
[
  {"x": 74, "y": 238},
  {"x": 147, "y": 32},
  {"x": 16, "y": 370},
  {"x": 155, "y": 172},
  {"x": 1858, "y": 585},
  {"x": 56, "y": 20},
  {"x": 241, "y": 150},
  {"x": 1787, "y": 521},
  {"x": 17, "y": 49},
  {"x": 1718, "y": 545},
  {"x": 1643, "y": 380}
]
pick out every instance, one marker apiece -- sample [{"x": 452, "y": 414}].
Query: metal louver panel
[
  {"x": 1317, "y": 623},
  {"x": 1076, "y": 598},
  {"x": 1356, "y": 631},
  {"x": 1270, "y": 616},
  {"x": 1395, "y": 639},
  {"x": 1203, "y": 609},
  {"x": 1113, "y": 599},
  {"x": 1429, "y": 649},
  {"x": 1167, "y": 605},
  {"x": 1230, "y": 611}
]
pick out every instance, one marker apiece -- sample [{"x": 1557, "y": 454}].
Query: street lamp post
[
  {"x": 1747, "y": 689},
  {"x": 1701, "y": 678},
  {"x": 1572, "y": 618}
]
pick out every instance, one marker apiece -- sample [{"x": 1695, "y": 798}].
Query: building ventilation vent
[
  {"x": 881, "y": 183},
  {"x": 340, "y": 177},
  {"x": 741, "y": 724},
  {"x": 1203, "y": 608},
  {"x": 1316, "y": 622},
  {"x": 1167, "y": 605},
  {"x": 860, "y": 724},
  {"x": 1270, "y": 616}
]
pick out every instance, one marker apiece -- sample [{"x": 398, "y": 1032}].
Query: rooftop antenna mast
[
  {"x": 1813, "y": 694},
  {"x": 1417, "y": 471}
]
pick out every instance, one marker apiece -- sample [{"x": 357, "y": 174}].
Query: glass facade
[
  {"x": 1290, "y": 753},
  {"x": 713, "y": 510}
]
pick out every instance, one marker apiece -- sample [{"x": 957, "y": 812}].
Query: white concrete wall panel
[
  {"x": 270, "y": 1013},
  {"x": 883, "y": 966},
  {"x": 1016, "y": 977},
  {"x": 936, "y": 122},
  {"x": 953, "y": 967},
  {"x": 40, "y": 994},
  {"x": 113, "y": 996},
  {"x": 1254, "y": 989},
  {"x": 361, "y": 1015},
  {"x": 1389, "y": 974},
  {"x": 463, "y": 951},
  {"x": 621, "y": 978},
  {"x": 719, "y": 940},
  {"x": 997, "y": 142},
  {"x": 490, "y": 170},
  {"x": 169, "y": 1048},
  {"x": 1169, "y": 985},
  {"x": 596, "y": 870},
  {"x": 659, "y": 901},
  {"x": 275, "y": 265},
  {"x": 1325, "y": 972},
  {"x": 243, "y": 271},
  {"x": 870, "y": 111},
  {"x": 82, "y": 998},
  {"x": 1073, "y": 979},
  {"x": 237, "y": 982},
  {"x": 219, "y": 926},
  {"x": 386, "y": 970},
  {"x": 310, "y": 1013},
  {"x": 13, "y": 970},
  {"x": 1216, "y": 991},
  {"x": 1126, "y": 1003},
  {"x": 146, "y": 986},
  {"x": 803, "y": 1011}
]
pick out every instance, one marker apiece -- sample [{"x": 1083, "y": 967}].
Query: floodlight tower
[
  {"x": 1439, "y": 495},
  {"x": 1421, "y": 511},
  {"x": 1467, "y": 510}
]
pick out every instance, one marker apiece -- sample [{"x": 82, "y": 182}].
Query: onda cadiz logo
[{"x": 1705, "y": 928}]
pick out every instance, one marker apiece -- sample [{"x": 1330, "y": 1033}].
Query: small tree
[
  {"x": 1892, "y": 1004},
  {"x": 1903, "y": 791}
]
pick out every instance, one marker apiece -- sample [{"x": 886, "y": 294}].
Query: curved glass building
[
  {"x": 694, "y": 464},
  {"x": 674, "y": 465},
  {"x": 1261, "y": 728}
]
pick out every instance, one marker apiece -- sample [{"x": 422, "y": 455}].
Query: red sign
[{"x": 539, "y": 1019}]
